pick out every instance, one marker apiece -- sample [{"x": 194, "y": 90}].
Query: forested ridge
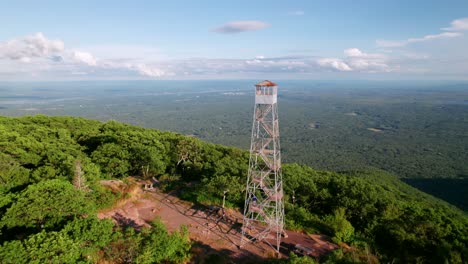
[{"x": 50, "y": 168}]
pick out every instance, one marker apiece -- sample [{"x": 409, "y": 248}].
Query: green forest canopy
[{"x": 43, "y": 213}]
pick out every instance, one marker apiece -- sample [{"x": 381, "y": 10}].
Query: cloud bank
[
  {"x": 29, "y": 47},
  {"x": 38, "y": 48},
  {"x": 357, "y": 60},
  {"x": 36, "y": 55}
]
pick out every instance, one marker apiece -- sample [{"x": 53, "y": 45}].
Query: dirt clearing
[{"x": 214, "y": 237}]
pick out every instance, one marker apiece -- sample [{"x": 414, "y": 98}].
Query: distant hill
[{"x": 50, "y": 168}]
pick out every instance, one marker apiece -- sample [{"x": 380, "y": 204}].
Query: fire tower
[{"x": 264, "y": 210}]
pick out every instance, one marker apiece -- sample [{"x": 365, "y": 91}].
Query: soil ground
[{"x": 215, "y": 238}]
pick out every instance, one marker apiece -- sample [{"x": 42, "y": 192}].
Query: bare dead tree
[{"x": 79, "y": 180}]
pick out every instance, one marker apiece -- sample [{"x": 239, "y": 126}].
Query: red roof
[{"x": 266, "y": 83}]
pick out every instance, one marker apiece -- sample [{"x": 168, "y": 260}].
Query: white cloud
[
  {"x": 357, "y": 60},
  {"x": 334, "y": 63},
  {"x": 28, "y": 47},
  {"x": 84, "y": 57},
  {"x": 407, "y": 60},
  {"x": 401, "y": 43},
  {"x": 458, "y": 25},
  {"x": 25, "y": 59},
  {"x": 140, "y": 68},
  {"x": 353, "y": 52},
  {"x": 444, "y": 35},
  {"x": 241, "y": 26},
  {"x": 49, "y": 59},
  {"x": 146, "y": 70},
  {"x": 46, "y": 51},
  {"x": 200, "y": 67}
]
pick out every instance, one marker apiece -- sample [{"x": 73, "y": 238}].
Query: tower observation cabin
[{"x": 266, "y": 92}]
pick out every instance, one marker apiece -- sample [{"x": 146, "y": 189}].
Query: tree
[
  {"x": 46, "y": 205},
  {"x": 216, "y": 186},
  {"x": 91, "y": 234},
  {"x": 52, "y": 247},
  {"x": 13, "y": 252},
  {"x": 294, "y": 259},
  {"x": 158, "y": 246},
  {"x": 147, "y": 159},
  {"x": 187, "y": 150},
  {"x": 342, "y": 228},
  {"x": 113, "y": 159},
  {"x": 12, "y": 175},
  {"x": 43, "y": 247}
]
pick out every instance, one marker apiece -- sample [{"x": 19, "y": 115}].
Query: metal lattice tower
[{"x": 264, "y": 210}]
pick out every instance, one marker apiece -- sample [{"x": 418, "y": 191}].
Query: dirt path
[{"x": 212, "y": 234}]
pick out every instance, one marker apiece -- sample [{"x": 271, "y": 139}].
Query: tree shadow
[
  {"x": 92, "y": 143},
  {"x": 285, "y": 248},
  {"x": 126, "y": 222},
  {"x": 211, "y": 218},
  {"x": 452, "y": 190},
  {"x": 205, "y": 254}
]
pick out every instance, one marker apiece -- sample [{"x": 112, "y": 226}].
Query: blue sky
[{"x": 89, "y": 40}]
